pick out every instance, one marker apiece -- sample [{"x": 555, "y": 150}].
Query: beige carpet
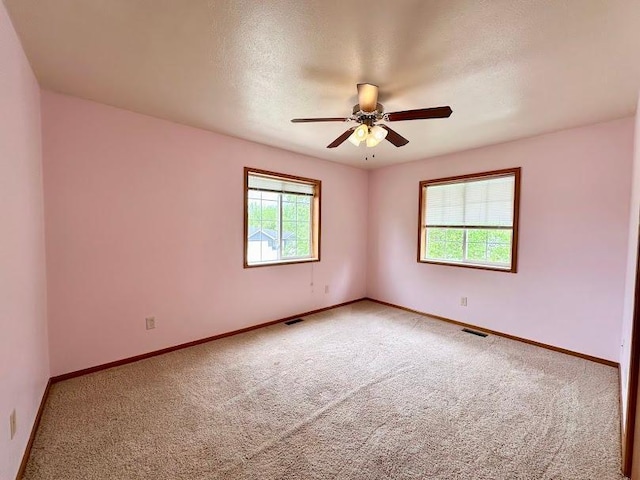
[{"x": 359, "y": 392}]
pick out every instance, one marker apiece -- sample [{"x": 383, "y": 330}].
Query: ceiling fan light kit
[
  {"x": 372, "y": 136},
  {"x": 360, "y": 134},
  {"x": 368, "y": 112}
]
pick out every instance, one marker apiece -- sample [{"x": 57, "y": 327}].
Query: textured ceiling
[{"x": 508, "y": 68}]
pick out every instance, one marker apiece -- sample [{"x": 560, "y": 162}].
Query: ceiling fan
[{"x": 368, "y": 112}]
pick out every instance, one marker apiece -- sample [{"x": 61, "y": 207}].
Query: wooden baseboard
[
  {"x": 500, "y": 334},
  {"x": 34, "y": 430},
  {"x": 52, "y": 380},
  {"x": 143, "y": 356},
  {"x": 623, "y": 436}
]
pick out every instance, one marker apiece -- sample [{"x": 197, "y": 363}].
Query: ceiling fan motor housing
[{"x": 368, "y": 118}]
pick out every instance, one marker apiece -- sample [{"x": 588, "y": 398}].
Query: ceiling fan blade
[
  {"x": 329, "y": 119},
  {"x": 341, "y": 138},
  {"x": 394, "y": 137},
  {"x": 419, "y": 114},
  {"x": 367, "y": 97}
]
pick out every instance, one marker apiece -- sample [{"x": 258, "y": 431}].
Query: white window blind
[
  {"x": 270, "y": 184},
  {"x": 475, "y": 203}
]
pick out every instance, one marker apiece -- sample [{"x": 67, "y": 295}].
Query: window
[
  {"x": 471, "y": 221},
  {"x": 282, "y": 219}
]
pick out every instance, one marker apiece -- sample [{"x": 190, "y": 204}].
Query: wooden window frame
[
  {"x": 315, "y": 221},
  {"x": 516, "y": 172}
]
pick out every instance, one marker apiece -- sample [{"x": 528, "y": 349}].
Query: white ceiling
[{"x": 508, "y": 68}]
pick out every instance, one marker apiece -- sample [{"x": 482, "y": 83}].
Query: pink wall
[
  {"x": 630, "y": 283},
  {"x": 24, "y": 364},
  {"x": 145, "y": 217},
  {"x": 573, "y": 240}
]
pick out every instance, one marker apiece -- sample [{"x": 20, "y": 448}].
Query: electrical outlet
[
  {"x": 12, "y": 423},
  {"x": 150, "y": 322},
  {"x": 326, "y": 289},
  {"x": 463, "y": 301}
]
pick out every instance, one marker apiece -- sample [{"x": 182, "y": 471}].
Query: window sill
[
  {"x": 281, "y": 262},
  {"x": 511, "y": 269}
]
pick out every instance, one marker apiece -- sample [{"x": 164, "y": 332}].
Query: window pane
[
  {"x": 289, "y": 230},
  {"x": 303, "y": 212},
  {"x": 254, "y": 213},
  {"x": 254, "y": 194},
  {"x": 435, "y": 250},
  {"x": 445, "y": 244},
  {"x": 254, "y": 218},
  {"x": 290, "y": 247},
  {"x": 270, "y": 196},
  {"x": 488, "y": 246},
  {"x": 477, "y": 236},
  {"x": 500, "y": 236},
  {"x": 436, "y": 234},
  {"x": 455, "y": 235},
  {"x": 476, "y": 251},
  {"x": 303, "y": 232},
  {"x": 498, "y": 253},
  {"x": 289, "y": 211},
  {"x": 453, "y": 251},
  {"x": 267, "y": 251},
  {"x": 262, "y": 231},
  {"x": 270, "y": 229},
  {"x": 254, "y": 250},
  {"x": 303, "y": 249},
  {"x": 269, "y": 213}
]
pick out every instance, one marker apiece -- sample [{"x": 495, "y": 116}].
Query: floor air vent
[
  {"x": 473, "y": 332},
  {"x": 295, "y": 320}
]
